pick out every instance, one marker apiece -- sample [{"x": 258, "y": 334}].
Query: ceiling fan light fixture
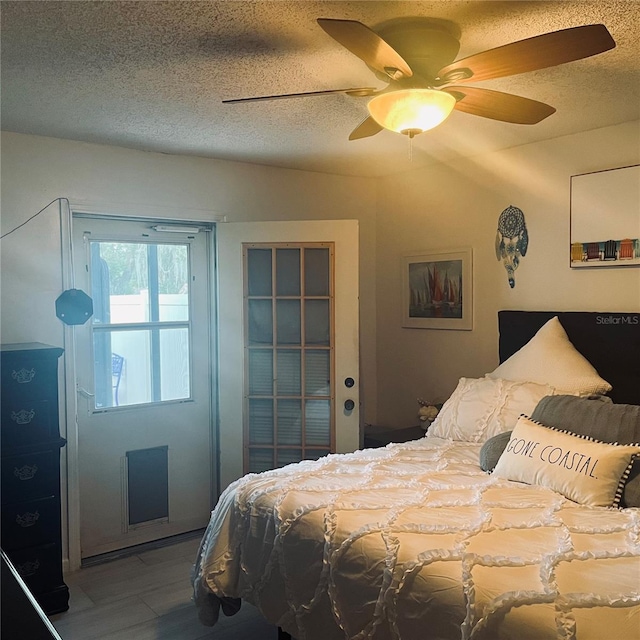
[{"x": 411, "y": 111}]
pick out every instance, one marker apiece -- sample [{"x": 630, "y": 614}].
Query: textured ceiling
[{"x": 151, "y": 75}]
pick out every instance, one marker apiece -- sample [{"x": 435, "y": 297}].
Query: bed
[{"x": 417, "y": 541}]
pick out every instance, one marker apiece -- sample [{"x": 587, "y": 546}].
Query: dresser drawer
[
  {"x": 30, "y": 475},
  {"x": 26, "y": 420},
  {"x": 29, "y": 373},
  {"x": 40, "y": 567},
  {"x": 28, "y": 524}
]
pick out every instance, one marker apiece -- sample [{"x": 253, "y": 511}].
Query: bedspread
[{"x": 416, "y": 542}]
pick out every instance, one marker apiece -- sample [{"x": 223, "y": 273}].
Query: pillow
[
  {"x": 480, "y": 408},
  {"x": 492, "y": 450},
  {"x": 584, "y": 470},
  {"x": 615, "y": 423},
  {"x": 631, "y": 492},
  {"x": 550, "y": 358},
  {"x": 604, "y": 421}
]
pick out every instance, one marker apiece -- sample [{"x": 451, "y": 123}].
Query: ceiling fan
[{"x": 416, "y": 57}]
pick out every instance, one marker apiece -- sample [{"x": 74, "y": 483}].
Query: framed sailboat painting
[{"x": 437, "y": 290}]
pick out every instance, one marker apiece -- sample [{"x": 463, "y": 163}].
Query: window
[
  {"x": 141, "y": 322},
  {"x": 289, "y": 354}
]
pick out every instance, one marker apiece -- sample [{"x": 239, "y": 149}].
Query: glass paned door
[
  {"x": 141, "y": 323},
  {"x": 290, "y": 261},
  {"x": 289, "y": 353}
]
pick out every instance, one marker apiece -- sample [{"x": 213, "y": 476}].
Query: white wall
[
  {"x": 35, "y": 170},
  {"x": 457, "y": 205},
  {"x": 440, "y": 207}
]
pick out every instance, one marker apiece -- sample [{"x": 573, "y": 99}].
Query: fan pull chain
[{"x": 410, "y": 148}]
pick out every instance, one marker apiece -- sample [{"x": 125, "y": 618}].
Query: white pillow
[
  {"x": 480, "y": 408},
  {"x": 584, "y": 470},
  {"x": 550, "y": 358}
]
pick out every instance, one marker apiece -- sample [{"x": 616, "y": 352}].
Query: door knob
[{"x": 349, "y": 405}]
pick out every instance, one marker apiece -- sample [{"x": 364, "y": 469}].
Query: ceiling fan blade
[
  {"x": 368, "y": 127},
  {"x": 353, "y": 91},
  {"x": 496, "y": 105},
  {"x": 368, "y": 46},
  {"x": 539, "y": 52}
]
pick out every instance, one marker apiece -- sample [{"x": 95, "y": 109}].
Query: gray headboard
[{"x": 609, "y": 341}]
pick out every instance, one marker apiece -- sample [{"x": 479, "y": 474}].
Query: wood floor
[{"x": 148, "y": 597}]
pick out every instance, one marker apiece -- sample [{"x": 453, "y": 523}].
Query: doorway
[
  {"x": 146, "y": 440},
  {"x": 288, "y": 342}
]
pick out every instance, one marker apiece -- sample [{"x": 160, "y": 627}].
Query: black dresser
[{"x": 31, "y": 443}]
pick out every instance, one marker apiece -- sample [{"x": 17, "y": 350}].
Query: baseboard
[{"x": 140, "y": 548}]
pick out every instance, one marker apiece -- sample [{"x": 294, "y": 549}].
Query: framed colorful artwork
[
  {"x": 437, "y": 290},
  {"x": 605, "y": 218}
]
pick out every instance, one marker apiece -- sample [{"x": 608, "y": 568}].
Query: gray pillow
[
  {"x": 599, "y": 420},
  {"x": 492, "y": 450},
  {"x": 631, "y": 491},
  {"x": 594, "y": 418}
]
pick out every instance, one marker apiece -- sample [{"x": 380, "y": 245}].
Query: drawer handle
[
  {"x": 23, "y": 416},
  {"x": 27, "y": 519},
  {"x": 28, "y": 568},
  {"x": 23, "y": 376},
  {"x": 26, "y": 472}
]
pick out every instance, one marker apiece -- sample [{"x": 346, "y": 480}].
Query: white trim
[
  {"x": 70, "y": 497},
  {"x": 212, "y": 305},
  {"x": 129, "y": 210}
]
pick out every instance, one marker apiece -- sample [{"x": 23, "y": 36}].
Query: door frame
[{"x": 70, "y": 489}]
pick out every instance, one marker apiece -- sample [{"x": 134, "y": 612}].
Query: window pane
[
  {"x": 316, "y": 322},
  {"x": 288, "y": 321},
  {"x": 316, "y": 272},
  {"x": 296, "y": 423},
  {"x": 317, "y": 422},
  {"x": 260, "y": 322},
  {"x": 288, "y": 372},
  {"x": 289, "y": 422},
  {"x": 125, "y": 361},
  {"x": 288, "y": 456},
  {"x": 261, "y": 372},
  {"x": 260, "y": 460},
  {"x": 288, "y": 272},
  {"x": 119, "y": 282},
  {"x": 317, "y": 369},
  {"x": 173, "y": 282},
  {"x": 260, "y": 421},
  {"x": 174, "y": 364},
  {"x": 259, "y": 272},
  {"x": 122, "y": 368}
]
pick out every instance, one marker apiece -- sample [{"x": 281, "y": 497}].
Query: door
[
  {"x": 288, "y": 347},
  {"x": 144, "y": 382}
]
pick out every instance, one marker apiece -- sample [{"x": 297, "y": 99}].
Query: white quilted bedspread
[{"x": 416, "y": 542}]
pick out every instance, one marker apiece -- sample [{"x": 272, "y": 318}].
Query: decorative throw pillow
[
  {"x": 615, "y": 423},
  {"x": 480, "y": 408},
  {"x": 584, "y": 470},
  {"x": 550, "y": 358},
  {"x": 492, "y": 450},
  {"x": 604, "y": 421}
]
